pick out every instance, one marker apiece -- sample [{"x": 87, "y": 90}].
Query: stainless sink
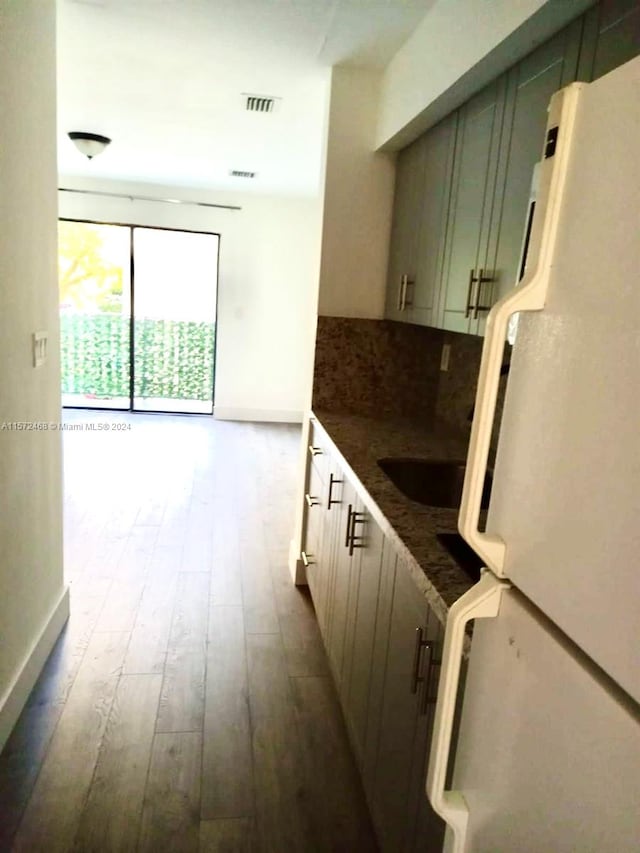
[{"x": 431, "y": 482}]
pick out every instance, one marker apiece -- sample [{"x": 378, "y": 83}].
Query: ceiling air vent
[
  {"x": 236, "y": 173},
  {"x": 259, "y": 103}
]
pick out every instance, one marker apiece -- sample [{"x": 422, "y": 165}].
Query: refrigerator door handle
[
  {"x": 480, "y": 602},
  {"x": 529, "y": 295}
]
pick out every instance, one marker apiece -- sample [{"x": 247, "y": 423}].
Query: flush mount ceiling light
[{"x": 89, "y": 144}]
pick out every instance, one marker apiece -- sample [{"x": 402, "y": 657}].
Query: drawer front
[
  {"x": 318, "y": 451},
  {"x": 314, "y": 503}
]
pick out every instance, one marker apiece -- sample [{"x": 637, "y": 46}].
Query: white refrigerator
[{"x": 548, "y": 748}]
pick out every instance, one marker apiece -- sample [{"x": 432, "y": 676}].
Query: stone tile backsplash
[
  {"x": 457, "y": 386},
  {"x": 377, "y": 368},
  {"x": 388, "y": 369}
]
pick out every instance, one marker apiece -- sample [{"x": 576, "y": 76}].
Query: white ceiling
[{"x": 164, "y": 78}]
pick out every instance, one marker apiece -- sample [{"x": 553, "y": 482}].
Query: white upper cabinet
[
  {"x": 462, "y": 189},
  {"x": 464, "y": 292}
]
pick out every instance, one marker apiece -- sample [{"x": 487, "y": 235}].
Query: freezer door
[
  {"x": 548, "y": 757},
  {"x": 566, "y": 493}
]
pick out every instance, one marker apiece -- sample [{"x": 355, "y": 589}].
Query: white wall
[
  {"x": 267, "y": 289},
  {"x": 459, "y": 46},
  {"x": 33, "y": 601},
  {"x": 356, "y": 222},
  {"x": 358, "y": 201}
]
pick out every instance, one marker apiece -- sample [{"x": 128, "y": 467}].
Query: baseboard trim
[
  {"x": 281, "y": 416},
  {"x": 15, "y": 697}
]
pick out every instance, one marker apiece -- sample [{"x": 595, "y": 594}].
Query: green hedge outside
[{"x": 173, "y": 359}]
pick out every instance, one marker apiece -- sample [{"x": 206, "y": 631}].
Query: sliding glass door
[
  {"x": 138, "y": 315},
  {"x": 174, "y": 320},
  {"x": 95, "y": 314}
]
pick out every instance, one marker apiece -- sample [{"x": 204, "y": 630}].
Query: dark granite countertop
[{"x": 361, "y": 441}]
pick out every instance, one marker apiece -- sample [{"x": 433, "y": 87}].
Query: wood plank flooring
[{"x": 188, "y": 704}]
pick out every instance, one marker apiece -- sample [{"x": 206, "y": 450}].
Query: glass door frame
[{"x": 132, "y": 226}]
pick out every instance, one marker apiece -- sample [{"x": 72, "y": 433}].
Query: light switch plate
[
  {"x": 39, "y": 340},
  {"x": 444, "y": 358}
]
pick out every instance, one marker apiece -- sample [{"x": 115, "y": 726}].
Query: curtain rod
[{"x": 149, "y": 198}]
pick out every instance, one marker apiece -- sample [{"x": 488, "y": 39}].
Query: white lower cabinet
[
  {"x": 384, "y": 645},
  {"x": 363, "y": 610},
  {"x": 342, "y": 559},
  {"x": 402, "y": 816},
  {"x": 315, "y": 543}
]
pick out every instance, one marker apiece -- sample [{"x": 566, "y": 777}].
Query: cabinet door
[
  {"x": 474, "y": 176},
  {"x": 378, "y": 671},
  {"x": 313, "y": 537},
  {"x": 331, "y": 523},
  {"x": 426, "y": 827},
  {"x": 439, "y": 147},
  {"x": 407, "y": 209},
  {"x": 318, "y": 449},
  {"x": 611, "y": 37},
  {"x": 361, "y": 625},
  {"x": 404, "y": 736},
  {"x": 339, "y": 583},
  {"x": 320, "y": 573},
  {"x": 529, "y": 89}
]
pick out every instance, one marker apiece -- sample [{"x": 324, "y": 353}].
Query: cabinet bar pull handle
[
  {"x": 315, "y": 451},
  {"x": 408, "y": 282},
  {"x": 356, "y": 541},
  {"x": 424, "y": 702},
  {"x": 482, "y": 279},
  {"x": 348, "y": 536},
  {"x": 332, "y": 481},
  {"x": 306, "y": 559},
  {"x": 427, "y": 699},
  {"x": 311, "y": 501},
  {"x": 416, "y": 674},
  {"x": 421, "y": 644},
  {"x": 401, "y": 289},
  {"x": 471, "y": 293}
]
